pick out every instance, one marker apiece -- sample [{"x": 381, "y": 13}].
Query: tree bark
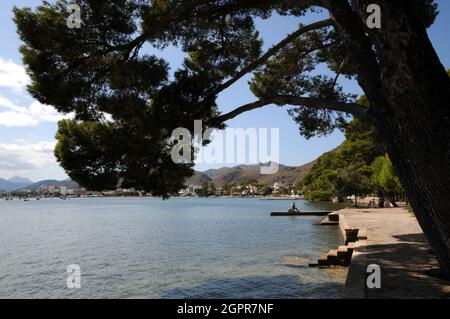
[{"x": 415, "y": 121}]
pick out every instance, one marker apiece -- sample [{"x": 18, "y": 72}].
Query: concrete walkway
[{"x": 396, "y": 243}]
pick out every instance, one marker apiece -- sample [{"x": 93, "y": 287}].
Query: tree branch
[
  {"x": 291, "y": 37},
  {"x": 355, "y": 109},
  {"x": 245, "y": 5},
  {"x": 360, "y": 48},
  {"x": 338, "y": 73}
]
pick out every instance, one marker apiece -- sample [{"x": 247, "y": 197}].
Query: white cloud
[
  {"x": 17, "y": 109},
  {"x": 46, "y": 113},
  {"x": 14, "y": 78},
  {"x": 13, "y": 119},
  {"x": 13, "y": 75},
  {"x": 6, "y": 103},
  {"x": 22, "y": 158},
  {"x": 19, "y": 116}
]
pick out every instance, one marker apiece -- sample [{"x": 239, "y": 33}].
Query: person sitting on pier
[{"x": 293, "y": 209}]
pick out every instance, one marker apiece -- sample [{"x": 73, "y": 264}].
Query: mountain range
[
  {"x": 16, "y": 183},
  {"x": 237, "y": 174},
  {"x": 220, "y": 176}
]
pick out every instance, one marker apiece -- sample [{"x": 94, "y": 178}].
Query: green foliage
[
  {"x": 346, "y": 170},
  {"x": 85, "y": 149},
  {"x": 96, "y": 71},
  {"x": 265, "y": 189},
  {"x": 249, "y": 181},
  {"x": 289, "y": 73},
  {"x": 227, "y": 187},
  {"x": 204, "y": 191},
  {"x": 77, "y": 69},
  {"x": 320, "y": 195},
  {"x": 359, "y": 166},
  {"x": 383, "y": 175}
]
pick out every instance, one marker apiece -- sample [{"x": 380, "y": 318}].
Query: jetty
[
  {"x": 305, "y": 213},
  {"x": 392, "y": 239}
]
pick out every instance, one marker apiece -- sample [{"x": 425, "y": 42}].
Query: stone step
[
  {"x": 362, "y": 234},
  {"x": 334, "y": 217},
  {"x": 327, "y": 222},
  {"x": 351, "y": 247},
  {"x": 342, "y": 252},
  {"x": 333, "y": 257},
  {"x": 338, "y": 257},
  {"x": 344, "y": 255},
  {"x": 323, "y": 260},
  {"x": 361, "y": 243},
  {"x": 351, "y": 235}
]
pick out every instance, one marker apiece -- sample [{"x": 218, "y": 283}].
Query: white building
[{"x": 63, "y": 190}]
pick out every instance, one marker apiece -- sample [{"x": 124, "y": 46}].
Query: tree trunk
[
  {"x": 415, "y": 121},
  {"x": 380, "y": 199}
]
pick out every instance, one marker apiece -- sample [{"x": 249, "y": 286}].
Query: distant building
[
  {"x": 251, "y": 189},
  {"x": 194, "y": 188},
  {"x": 190, "y": 190},
  {"x": 48, "y": 189},
  {"x": 63, "y": 190}
]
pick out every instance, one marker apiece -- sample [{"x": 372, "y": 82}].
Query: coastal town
[{"x": 245, "y": 189}]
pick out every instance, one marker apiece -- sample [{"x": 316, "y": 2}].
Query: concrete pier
[
  {"x": 307, "y": 213},
  {"x": 392, "y": 239}
]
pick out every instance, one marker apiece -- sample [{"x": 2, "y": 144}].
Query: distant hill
[
  {"x": 20, "y": 180},
  {"x": 13, "y": 183},
  {"x": 17, "y": 183},
  {"x": 35, "y": 186},
  {"x": 237, "y": 174},
  {"x": 199, "y": 178},
  {"x": 6, "y": 185},
  {"x": 70, "y": 184},
  {"x": 52, "y": 182}
]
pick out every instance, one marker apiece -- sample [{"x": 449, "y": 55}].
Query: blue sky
[{"x": 27, "y": 128}]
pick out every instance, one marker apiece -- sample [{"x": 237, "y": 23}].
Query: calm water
[{"x": 149, "y": 248}]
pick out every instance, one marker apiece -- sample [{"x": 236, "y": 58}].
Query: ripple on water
[{"x": 148, "y": 248}]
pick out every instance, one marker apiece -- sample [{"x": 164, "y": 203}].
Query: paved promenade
[{"x": 396, "y": 243}]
